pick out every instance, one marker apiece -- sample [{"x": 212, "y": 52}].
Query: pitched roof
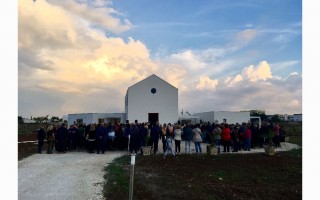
[{"x": 153, "y": 75}]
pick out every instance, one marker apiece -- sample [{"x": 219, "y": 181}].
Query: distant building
[
  {"x": 224, "y": 117},
  {"x": 95, "y": 118},
  {"x": 297, "y": 117},
  {"x": 290, "y": 118},
  {"x": 28, "y": 121}
]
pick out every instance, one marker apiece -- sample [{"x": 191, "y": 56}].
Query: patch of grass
[
  {"x": 296, "y": 140},
  {"x": 117, "y": 178}
]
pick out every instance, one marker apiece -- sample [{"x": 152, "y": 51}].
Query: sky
[{"x": 80, "y": 56}]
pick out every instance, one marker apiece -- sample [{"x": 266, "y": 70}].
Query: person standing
[
  {"x": 50, "y": 139},
  {"x": 61, "y": 139},
  {"x": 155, "y": 135},
  {"x": 177, "y": 138},
  {"x": 197, "y": 139},
  {"x": 276, "y": 130},
  {"x": 91, "y": 137},
  {"x": 101, "y": 133},
  {"x": 163, "y": 136},
  {"x": 247, "y": 138},
  {"x": 217, "y": 136},
  {"x": 235, "y": 139},
  {"x": 111, "y": 136},
  {"x": 226, "y": 138},
  {"x": 187, "y": 135},
  {"x": 169, "y": 139},
  {"x": 40, "y": 136},
  {"x": 134, "y": 139}
]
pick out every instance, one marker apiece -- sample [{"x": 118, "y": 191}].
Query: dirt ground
[{"x": 226, "y": 176}]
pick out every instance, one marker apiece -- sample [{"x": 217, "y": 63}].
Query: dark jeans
[
  {"x": 235, "y": 145},
  {"x": 40, "y": 145},
  {"x": 177, "y": 145},
  {"x": 155, "y": 145},
  {"x": 226, "y": 146},
  {"x": 101, "y": 145}
]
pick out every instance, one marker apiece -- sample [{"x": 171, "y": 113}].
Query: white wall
[
  {"x": 141, "y": 101},
  {"x": 206, "y": 116},
  {"x": 86, "y": 117},
  {"x": 91, "y": 118},
  {"x": 231, "y": 117},
  {"x": 297, "y": 117}
]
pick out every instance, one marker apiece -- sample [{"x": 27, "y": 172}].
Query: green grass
[
  {"x": 296, "y": 140},
  {"x": 117, "y": 176}
]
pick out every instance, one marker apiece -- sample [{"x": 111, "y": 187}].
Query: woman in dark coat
[
  {"x": 91, "y": 137},
  {"x": 61, "y": 139},
  {"x": 50, "y": 139},
  {"x": 134, "y": 139}
]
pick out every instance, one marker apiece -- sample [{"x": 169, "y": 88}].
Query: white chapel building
[
  {"x": 149, "y": 100},
  {"x": 152, "y": 99}
]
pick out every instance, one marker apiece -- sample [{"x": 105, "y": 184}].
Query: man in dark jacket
[
  {"x": 40, "y": 136},
  {"x": 61, "y": 139},
  {"x": 188, "y": 136},
  {"x": 101, "y": 138},
  {"x": 134, "y": 139},
  {"x": 155, "y": 135}
]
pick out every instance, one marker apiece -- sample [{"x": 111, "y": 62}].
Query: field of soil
[{"x": 226, "y": 176}]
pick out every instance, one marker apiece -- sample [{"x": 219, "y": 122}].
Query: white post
[
  {"x": 133, "y": 162},
  {"x": 128, "y": 143}
]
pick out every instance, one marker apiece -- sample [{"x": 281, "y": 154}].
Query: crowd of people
[{"x": 98, "y": 138}]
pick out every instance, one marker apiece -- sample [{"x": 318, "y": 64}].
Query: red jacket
[
  {"x": 247, "y": 133},
  {"x": 225, "y": 134}
]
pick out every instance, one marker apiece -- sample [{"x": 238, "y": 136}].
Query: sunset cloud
[
  {"x": 74, "y": 57},
  {"x": 261, "y": 72}
]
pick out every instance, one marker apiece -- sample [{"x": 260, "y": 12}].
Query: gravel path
[{"x": 73, "y": 175}]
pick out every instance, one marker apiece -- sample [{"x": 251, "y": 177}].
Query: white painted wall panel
[
  {"x": 232, "y": 117},
  {"x": 141, "y": 101}
]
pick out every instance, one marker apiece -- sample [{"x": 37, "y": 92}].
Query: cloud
[
  {"x": 61, "y": 55},
  {"x": 67, "y": 65},
  {"x": 246, "y": 36},
  {"x": 261, "y": 72},
  {"x": 98, "y": 13},
  {"x": 206, "y": 83}
]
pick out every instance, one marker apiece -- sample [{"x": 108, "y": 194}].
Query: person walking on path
[{"x": 40, "y": 136}]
